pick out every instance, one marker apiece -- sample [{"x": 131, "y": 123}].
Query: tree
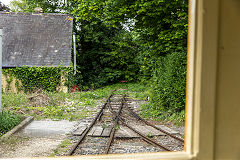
[
  {"x": 49, "y": 6},
  {"x": 122, "y": 39},
  {"x": 105, "y": 53},
  {"x": 3, "y": 7},
  {"x": 161, "y": 31}
]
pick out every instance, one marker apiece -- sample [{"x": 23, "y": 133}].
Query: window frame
[{"x": 201, "y": 88}]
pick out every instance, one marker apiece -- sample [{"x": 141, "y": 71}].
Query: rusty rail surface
[
  {"x": 118, "y": 118},
  {"x": 145, "y": 138},
  {"x": 139, "y": 133},
  {"x": 71, "y": 151},
  {"x": 147, "y": 123},
  {"x": 114, "y": 126}
]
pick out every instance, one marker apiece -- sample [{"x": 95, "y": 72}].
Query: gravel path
[{"x": 18, "y": 147}]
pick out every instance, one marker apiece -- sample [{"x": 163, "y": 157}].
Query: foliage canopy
[{"x": 129, "y": 40}]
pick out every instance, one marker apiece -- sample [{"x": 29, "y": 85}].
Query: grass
[
  {"x": 75, "y": 106},
  {"x": 149, "y": 135},
  {"x": 61, "y": 148},
  {"x": 8, "y": 121},
  {"x": 12, "y": 141},
  {"x": 149, "y": 112},
  {"x": 69, "y": 106}
]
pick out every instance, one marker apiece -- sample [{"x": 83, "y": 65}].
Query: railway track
[{"x": 116, "y": 114}]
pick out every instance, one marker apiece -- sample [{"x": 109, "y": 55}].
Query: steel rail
[
  {"x": 140, "y": 134},
  {"x": 118, "y": 117},
  {"x": 113, "y": 112},
  {"x": 112, "y": 134},
  {"x": 145, "y": 138},
  {"x": 71, "y": 151},
  {"x": 147, "y": 123}
]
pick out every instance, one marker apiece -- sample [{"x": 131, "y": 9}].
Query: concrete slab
[
  {"x": 48, "y": 128},
  {"x": 124, "y": 132},
  {"x": 90, "y": 133},
  {"x": 169, "y": 130},
  {"x": 106, "y": 132},
  {"x": 79, "y": 130},
  {"x": 148, "y": 130},
  {"x": 98, "y": 131}
]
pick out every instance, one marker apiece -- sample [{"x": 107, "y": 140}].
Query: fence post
[{"x": 75, "y": 56}]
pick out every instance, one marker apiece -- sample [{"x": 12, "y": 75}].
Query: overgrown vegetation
[
  {"x": 8, "y": 120},
  {"x": 33, "y": 78},
  {"x": 168, "y": 91},
  {"x": 135, "y": 41},
  {"x": 69, "y": 106}
]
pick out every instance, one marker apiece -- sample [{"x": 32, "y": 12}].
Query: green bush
[
  {"x": 106, "y": 55},
  {"x": 8, "y": 120},
  {"x": 45, "y": 78},
  {"x": 169, "y": 85}
]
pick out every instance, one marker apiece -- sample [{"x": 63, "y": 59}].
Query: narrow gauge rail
[{"x": 116, "y": 113}]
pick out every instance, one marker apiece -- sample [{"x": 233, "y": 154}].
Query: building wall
[{"x": 10, "y": 87}]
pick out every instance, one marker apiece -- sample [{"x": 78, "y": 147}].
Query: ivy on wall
[{"x": 32, "y": 78}]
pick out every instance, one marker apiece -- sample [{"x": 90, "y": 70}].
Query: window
[{"x": 201, "y": 87}]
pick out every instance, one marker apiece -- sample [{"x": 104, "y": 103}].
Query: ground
[
  {"x": 29, "y": 147},
  {"x": 77, "y": 107}
]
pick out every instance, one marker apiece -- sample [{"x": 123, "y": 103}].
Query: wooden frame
[{"x": 201, "y": 88}]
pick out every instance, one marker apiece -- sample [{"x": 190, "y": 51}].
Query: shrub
[
  {"x": 8, "y": 120},
  {"x": 169, "y": 85}
]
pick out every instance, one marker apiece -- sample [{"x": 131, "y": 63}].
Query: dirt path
[
  {"x": 38, "y": 139},
  {"x": 29, "y": 147}
]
